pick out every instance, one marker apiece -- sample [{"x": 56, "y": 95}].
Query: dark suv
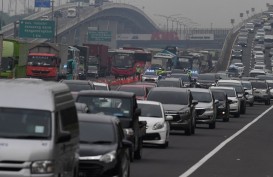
[
  {"x": 179, "y": 103},
  {"x": 122, "y": 105}
]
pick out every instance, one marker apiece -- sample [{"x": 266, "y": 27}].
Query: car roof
[
  {"x": 224, "y": 88},
  {"x": 148, "y": 102},
  {"x": 199, "y": 90},
  {"x": 76, "y": 81},
  {"x": 100, "y": 84},
  {"x": 106, "y": 93},
  {"x": 228, "y": 81},
  {"x": 170, "y": 89},
  {"x": 100, "y": 118}
]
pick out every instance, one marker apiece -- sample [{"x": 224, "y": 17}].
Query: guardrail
[
  {"x": 38, "y": 14},
  {"x": 223, "y": 61}
]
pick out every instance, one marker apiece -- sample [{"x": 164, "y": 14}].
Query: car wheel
[
  {"x": 124, "y": 169},
  {"x": 212, "y": 125},
  {"x": 237, "y": 115},
  {"x": 138, "y": 153},
  {"x": 188, "y": 130},
  {"x": 226, "y": 118}
]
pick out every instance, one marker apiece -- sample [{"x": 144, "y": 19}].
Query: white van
[
  {"x": 71, "y": 12},
  {"x": 39, "y": 130}
]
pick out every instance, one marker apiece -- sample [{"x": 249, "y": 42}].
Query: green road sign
[
  {"x": 105, "y": 36},
  {"x": 36, "y": 29}
]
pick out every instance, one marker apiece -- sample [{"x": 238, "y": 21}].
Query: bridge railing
[
  {"x": 38, "y": 14},
  {"x": 224, "y": 59}
]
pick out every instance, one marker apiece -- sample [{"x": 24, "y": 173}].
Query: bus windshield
[
  {"x": 123, "y": 60},
  {"x": 45, "y": 61}
]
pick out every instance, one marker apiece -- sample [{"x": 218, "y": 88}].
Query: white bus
[{"x": 71, "y": 12}]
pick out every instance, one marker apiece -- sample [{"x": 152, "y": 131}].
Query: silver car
[{"x": 205, "y": 109}]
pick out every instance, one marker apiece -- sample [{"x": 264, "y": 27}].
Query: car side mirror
[
  {"x": 216, "y": 102},
  {"x": 245, "y": 88},
  {"x": 127, "y": 144},
  {"x": 142, "y": 123},
  {"x": 254, "y": 88},
  {"x": 138, "y": 112},
  {"x": 64, "y": 137},
  {"x": 246, "y": 93},
  {"x": 194, "y": 102},
  {"x": 269, "y": 88},
  {"x": 168, "y": 118}
]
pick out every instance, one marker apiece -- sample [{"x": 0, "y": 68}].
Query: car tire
[
  {"x": 237, "y": 115},
  {"x": 124, "y": 167},
  {"x": 138, "y": 153},
  {"x": 165, "y": 145},
  {"x": 212, "y": 125},
  {"x": 226, "y": 118},
  {"x": 188, "y": 130}
]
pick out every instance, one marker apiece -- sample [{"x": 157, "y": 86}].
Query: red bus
[
  {"x": 125, "y": 60},
  {"x": 42, "y": 65}
]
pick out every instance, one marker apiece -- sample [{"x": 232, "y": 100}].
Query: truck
[
  {"x": 45, "y": 60},
  {"x": 83, "y": 58},
  {"x": 98, "y": 62}
]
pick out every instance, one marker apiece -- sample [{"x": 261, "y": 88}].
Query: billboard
[{"x": 42, "y": 3}]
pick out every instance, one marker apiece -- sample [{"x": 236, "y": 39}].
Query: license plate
[{"x": 82, "y": 174}]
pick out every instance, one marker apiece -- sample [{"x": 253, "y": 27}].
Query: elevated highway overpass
[{"x": 121, "y": 19}]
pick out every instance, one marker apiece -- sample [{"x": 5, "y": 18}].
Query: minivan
[{"x": 39, "y": 131}]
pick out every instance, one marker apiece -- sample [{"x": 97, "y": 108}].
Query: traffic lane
[
  {"x": 184, "y": 151},
  {"x": 247, "y": 54},
  {"x": 249, "y": 154}
]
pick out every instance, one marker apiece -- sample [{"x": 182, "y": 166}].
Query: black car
[
  {"x": 222, "y": 105},
  {"x": 122, "y": 105},
  {"x": 77, "y": 85},
  {"x": 170, "y": 82},
  {"x": 207, "y": 80},
  {"x": 188, "y": 82},
  {"x": 179, "y": 103},
  {"x": 236, "y": 55},
  {"x": 104, "y": 150}
]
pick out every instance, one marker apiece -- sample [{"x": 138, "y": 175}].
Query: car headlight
[
  {"x": 128, "y": 131},
  {"x": 42, "y": 167},
  {"x": 109, "y": 157},
  {"x": 158, "y": 125}
]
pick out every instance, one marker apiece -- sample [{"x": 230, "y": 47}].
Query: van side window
[{"x": 69, "y": 121}]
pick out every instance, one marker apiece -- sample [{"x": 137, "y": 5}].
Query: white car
[
  {"x": 158, "y": 127},
  {"x": 101, "y": 86},
  {"x": 259, "y": 54},
  {"x": 235, "y": 106},
  {"x": 267, "y": 27}
]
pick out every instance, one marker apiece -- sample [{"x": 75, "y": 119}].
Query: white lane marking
[{"x": 220, "y": 146}]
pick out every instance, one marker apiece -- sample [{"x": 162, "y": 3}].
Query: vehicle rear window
[
  {"x": 100, "y": 87},
  {"x": 97, "y": 133},
  {"x": 78, "y": 87},
  {"x": 169, "y": 97},
  {"x": 139, "y": 91},
  {"x": 150, "y": 110},
  {"x": 238, "y": 88},
  {"x": 259, "y": 85},
  {"x": 230, "y": 93},
  {"x": 202, "y": 97},
  {"x": 167, "y": 83}
]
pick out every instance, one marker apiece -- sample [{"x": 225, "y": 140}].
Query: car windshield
[
  {"x": 238, "y": 87},
  {"x": 150, "y": 110},
  {"x": 169, "y": 97},
  {"x": 25, "y": 123},
  {"x": 168, "y": 83},
  {"x": 219, "y": 96},
  {"x": 206, "y": 77},
  {"x": 202, "y": 97},
  {"x": 75, "y": 87},
  {"x": 247, "y": 85},
  {"x": 229, "y": 92},
  {"x": 259, "y": 85},
  {"x": 139, "y": 91},
  {"x": 120, "y": 107},
  {"x": 104, "y": 132}
]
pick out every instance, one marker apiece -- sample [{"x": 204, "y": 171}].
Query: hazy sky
[{"x": 207, "y": 13}]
